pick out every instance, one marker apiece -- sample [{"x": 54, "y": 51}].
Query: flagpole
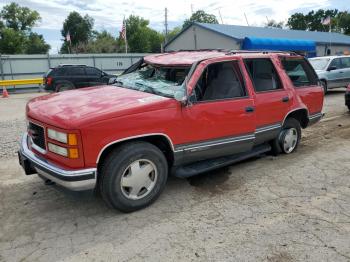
[{"x": 126, "y": 41}]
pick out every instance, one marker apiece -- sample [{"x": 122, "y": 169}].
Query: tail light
[{"x": 48, "y": 80}]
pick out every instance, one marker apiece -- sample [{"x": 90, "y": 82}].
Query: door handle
[
  {"x": 341, "y": 72},
  {"x": 285, "y": 99},
  {"x": 249, "y": 109}
]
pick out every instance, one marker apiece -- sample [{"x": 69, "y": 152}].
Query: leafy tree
[
  {"x": 274, "y": 24},
  {"x": 19, "y": 18},
  {"x": 104, "y": 42},
  {"x": 140, "y": 37},
  {"x": 343, "y": 22},
  {"x": 201, "y": 17},
  {"x": 79, "y": 29},
  {"x": 36, "y": 44},
  {"x": 312, "y": 21},
  {"x": 12, "y": 41},
  {"x": 16, "y": 23}
]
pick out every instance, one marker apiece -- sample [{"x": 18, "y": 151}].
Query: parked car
[
  {"x": 347, "y": 97},
  {"x": 68, "y": 77},
  {"x": 333, "y": 71},
  {"x": 179, "y": 113}
]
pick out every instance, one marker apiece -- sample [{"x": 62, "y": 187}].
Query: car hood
[{"x": 72, "y": 109}]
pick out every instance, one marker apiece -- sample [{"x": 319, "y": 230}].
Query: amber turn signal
[
  {"x": 72, "y": 140},
  {"x": 73, "y": 153}
]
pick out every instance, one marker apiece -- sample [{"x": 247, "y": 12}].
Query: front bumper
[{"x": 82, "y": 179}]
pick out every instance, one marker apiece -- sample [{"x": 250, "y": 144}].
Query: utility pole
[
  {"x": 222, "y": 21},
  {"x": 191, "y": 9},
  {"x": 166, "y": 24}
]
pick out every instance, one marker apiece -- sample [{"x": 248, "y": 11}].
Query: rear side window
[
  {"x": 299, "y": 72},
  {"x": 75, "y": 71},
  {"x": 263, "y": 74},
  {"x": 61, "y": 71},
  {"x": 220, "y": 81},
  {"x": 90, "y": 71},
  {"x": 345, "y": 62}
]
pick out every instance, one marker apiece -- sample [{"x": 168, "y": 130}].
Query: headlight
[
  {"x": 58, "y": 136},
  {"x": 58, "y": 149}
]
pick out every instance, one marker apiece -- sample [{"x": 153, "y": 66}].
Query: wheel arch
[
  {"x": 300, "y": 114},
  {"x": 162, "y": 141}
]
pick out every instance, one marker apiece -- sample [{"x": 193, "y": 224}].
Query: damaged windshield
[{"x": 159, "y": 80}]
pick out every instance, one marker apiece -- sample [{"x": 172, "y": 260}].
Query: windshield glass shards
[{"x": 163, "y": 81}]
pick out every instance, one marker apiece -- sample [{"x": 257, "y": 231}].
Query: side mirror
[
  {"x": 181, "y": 96},
  {"x": 332, "y": 68}
]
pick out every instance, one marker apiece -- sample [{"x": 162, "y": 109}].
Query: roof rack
[
  {"x": 199, "y": 50},
  {"x": 71, "y": 65},
  {"x": 233, "y": 52}
]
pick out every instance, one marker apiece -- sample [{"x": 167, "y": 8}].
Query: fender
[{"x": 134, "y": 137}]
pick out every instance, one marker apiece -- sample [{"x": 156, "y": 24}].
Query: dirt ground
[{"x": 287, "y": 208}]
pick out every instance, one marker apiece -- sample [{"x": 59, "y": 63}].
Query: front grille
[{"x": 37, "y": 134}]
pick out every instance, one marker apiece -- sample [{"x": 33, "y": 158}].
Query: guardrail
[{"x": 17, "y": 82}]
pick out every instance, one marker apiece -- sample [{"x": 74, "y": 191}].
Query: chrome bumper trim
[{"x": 81, "y": 179}]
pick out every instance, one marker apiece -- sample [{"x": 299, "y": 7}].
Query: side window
[
  {"x": 75, "y": 71},
  {"x": 336, "y": 63},
  {"x": 61, "y": 71},
  {"x": 90, "y": 71},
  {"x": 345, "y": 62},
  {"x": 220, "y": 81},
  {"x": 299, "y": 72},
  {"x": 263, "y": 74}
]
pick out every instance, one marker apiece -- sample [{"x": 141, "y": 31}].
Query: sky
[{"x": 108, "y": 14}]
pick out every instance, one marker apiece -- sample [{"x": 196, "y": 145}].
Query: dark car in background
[{"x": 68, "y": 77}]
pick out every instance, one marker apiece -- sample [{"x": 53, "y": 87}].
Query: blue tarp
[{"x": 280, "y": 44}]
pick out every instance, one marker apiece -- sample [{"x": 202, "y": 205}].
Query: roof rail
[
  {"x": 71, "y": 65},
  {"x": 199, "y": 50},
  {"x": 232, "y": 52}
]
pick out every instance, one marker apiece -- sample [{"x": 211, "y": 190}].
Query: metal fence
[{"x": 34, "y": 66}]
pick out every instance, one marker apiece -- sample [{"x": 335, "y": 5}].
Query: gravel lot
[{"x": 286, "y": 208}]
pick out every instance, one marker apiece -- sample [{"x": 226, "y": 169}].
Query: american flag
[
  {"x": 326, "y": 21},
  {"x": 68, "y": 37},
  {"x": 123, "y": 32}
]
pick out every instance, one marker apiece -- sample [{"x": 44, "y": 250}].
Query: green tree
[
  {"x": 79, "y": 29},
  {"x": 201, "y": 17},
  {"x": 16, "y": 35},
  {"x": 172, "y": 33},
  {"x": 140, "y": 37},
  {"x": 19, "y": 18},
  {"x": 312, "y": 21},
  {"x": 274, "y": 24},
  {"x": 36, "y": 44},
  {"x": 12, "y": 41},
  {"x": 342, "y": 22},
  {"x": 103, "y": 42}
]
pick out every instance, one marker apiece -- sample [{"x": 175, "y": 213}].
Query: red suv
[{"x": 179, "y": 113}]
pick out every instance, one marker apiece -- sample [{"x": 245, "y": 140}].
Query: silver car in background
[{"x": 333, "y": 71}]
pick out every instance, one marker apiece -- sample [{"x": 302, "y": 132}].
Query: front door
[{"x": 221, "y": 119}]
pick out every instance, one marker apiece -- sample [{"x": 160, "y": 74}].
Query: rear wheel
[
  {"x": 64, "y": 86},
  {"x": 324, "y": 85},
  {"x": 133, "y": 176},
  {"x": 289, "y": 137}
]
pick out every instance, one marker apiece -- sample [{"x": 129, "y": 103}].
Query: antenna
[
  {"x": 267, "y": 19},
  {"x": 246, "y": 19},
  {"x": 166, "y": 23},
  {"x": 222, "y": 21}
]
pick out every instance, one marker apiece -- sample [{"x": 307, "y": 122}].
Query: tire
[
  {"x": 118, "y": 186},
  {"x": 64, "y": 86},
  {"x": 325, "y": 87},
  {"x": 288, "y": 139}
]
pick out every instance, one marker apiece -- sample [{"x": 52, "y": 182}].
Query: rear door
[
  {"x": 345, "y": 61},
  {"x": 335, "y": 73},
  {"x": 305, "y": 82},
  {"x": 272, "y": 100},
  {"x": 76, "y": 75}
]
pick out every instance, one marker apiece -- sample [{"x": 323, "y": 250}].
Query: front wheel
[
  {"x": 133, "y": 176},
  {"x": 289, "y": 137}
]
